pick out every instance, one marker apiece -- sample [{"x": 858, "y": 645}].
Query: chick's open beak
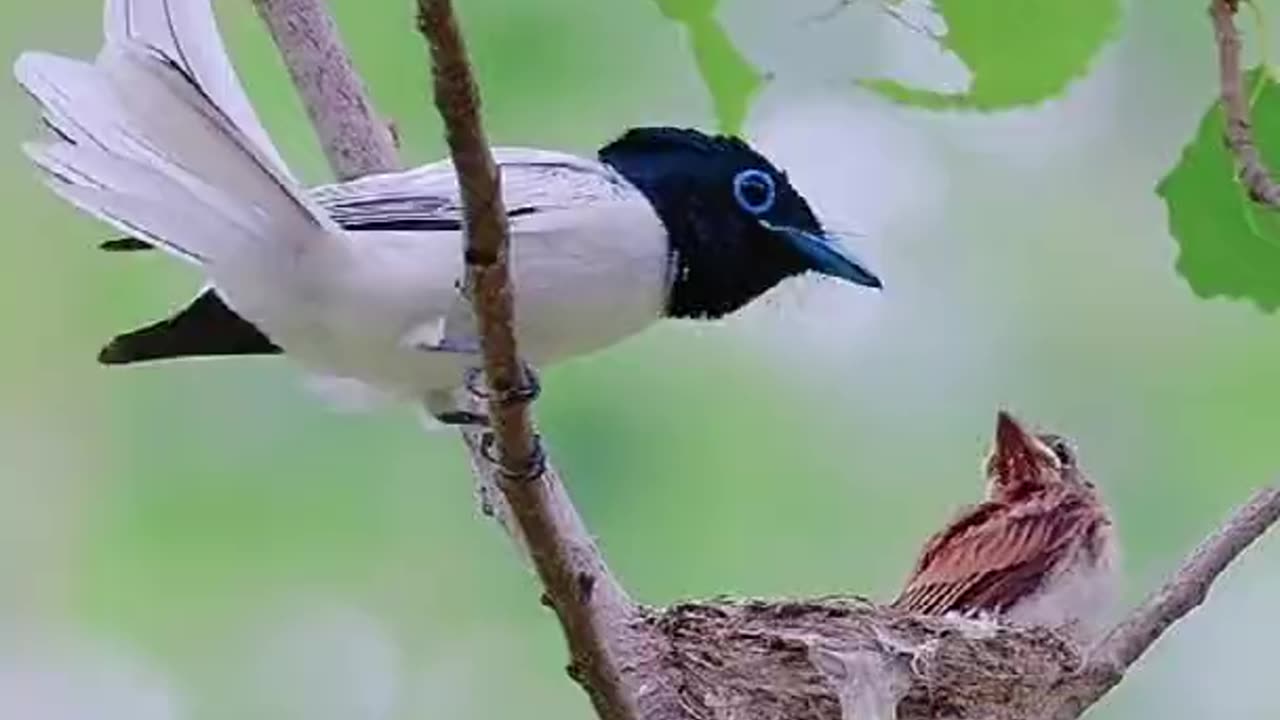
[{"x": 1017, "y": 453}]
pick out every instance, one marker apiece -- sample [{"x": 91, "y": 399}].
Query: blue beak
[{"x": 824, "y": 254}]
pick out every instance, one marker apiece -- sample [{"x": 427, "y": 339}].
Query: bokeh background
[{"x": 207, "y": 540}]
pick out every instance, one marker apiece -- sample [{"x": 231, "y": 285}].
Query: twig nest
[{"x": 841, "y": 658}]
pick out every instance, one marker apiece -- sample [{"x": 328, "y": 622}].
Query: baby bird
[{"x": 1039, "y": 551}]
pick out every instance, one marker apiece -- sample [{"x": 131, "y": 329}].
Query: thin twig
[
  {"x": 1189, "y": 588},
  {"x": 1181, "y": 594},
  {"x": 488, "y": 272},
  {"x": 354, "y": 140},
  {"x": 1254, "y": 174},
  {"x": 592, "y": 607}
]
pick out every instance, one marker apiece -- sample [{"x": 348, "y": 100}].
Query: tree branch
[
  {"x": 1181, "y": 594},
  {"x": 1253, "y": 172},
  {"x": 593, "y": 608},
  {"x": 354, "y": 140},
  {"x": 485, "y": 216},
  {"x": 1190, "y": 586}
]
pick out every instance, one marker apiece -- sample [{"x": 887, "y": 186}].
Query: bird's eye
[
  {"x": 1063, "y": 451},
  {"x": 754, "y": 190}
]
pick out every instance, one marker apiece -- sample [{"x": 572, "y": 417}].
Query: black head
[{"x": 736, "y": 225}]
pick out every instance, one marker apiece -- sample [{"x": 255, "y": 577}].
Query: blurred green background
[{"x": 208, "y": 541}]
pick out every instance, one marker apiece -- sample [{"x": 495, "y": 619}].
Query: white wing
[{"x": 428, "y": 198}]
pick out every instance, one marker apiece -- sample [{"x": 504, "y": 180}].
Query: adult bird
[
  {"x": 1039, "y": 551},
  {"x": 359, "y": 281}
]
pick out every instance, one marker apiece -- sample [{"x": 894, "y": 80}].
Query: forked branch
[{"x": 593, "y": 609}]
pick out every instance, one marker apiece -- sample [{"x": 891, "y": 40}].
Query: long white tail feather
[
  {"x": 133, "y": 102},
  {"x": 151, "y": 177},
  {"x": 182, "y": 123},
  {"x": 186, "y": 31},
  {"x": 56, "y": 83},
  {"x": 145, "y": 219},
  {"x": 140, "y": 200},
  {"x": 140, "y": 132}
]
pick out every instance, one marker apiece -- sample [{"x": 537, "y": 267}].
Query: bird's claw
[
  {"x": 525, "y": 394},
  {"x": 473, "y": 381},
  {"x": 462, "y": 418},
  {"x": 533, "y": 468}
]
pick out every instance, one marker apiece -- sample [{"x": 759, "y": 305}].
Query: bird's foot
[
  {"x": 436, "y": 337},
  {"x": 525, "y": 394},
  {"x": 533, "y": 468},
  {"x": 450, "y": 347},
  {"x": 462, "y": 418}
]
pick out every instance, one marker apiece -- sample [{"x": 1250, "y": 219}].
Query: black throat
[
  {"x": 718, "y": 260},
  {"x": 713, "y": 274}
]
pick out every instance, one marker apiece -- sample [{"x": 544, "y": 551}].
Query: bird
[
  {"x": 360, "y": 282},
  {"x": 1039, "y": 551}
]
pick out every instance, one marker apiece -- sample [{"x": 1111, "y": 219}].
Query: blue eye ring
[{"x": 761, "y": 180}]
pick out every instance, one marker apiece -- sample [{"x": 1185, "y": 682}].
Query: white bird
[{"x": 359, "y": 281}]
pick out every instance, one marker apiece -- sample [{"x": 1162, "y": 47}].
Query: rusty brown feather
[{"x": 1042, "y": 526}]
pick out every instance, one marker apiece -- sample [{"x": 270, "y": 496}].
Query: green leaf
[
  {"x": 1230, "y": 245},
  {"x": 732, "y": 81},
  {"x": 1018, "y": 53}
]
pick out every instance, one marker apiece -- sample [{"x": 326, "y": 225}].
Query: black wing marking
[
  {"x": 406, "y": 216},
  {"x": 206, "y": 327},
  {"x": 127, "y": 244},
  {"x": 428, "y": 199}
]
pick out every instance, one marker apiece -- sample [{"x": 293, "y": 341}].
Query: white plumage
[
  {"x": 360, "y": 281},
  {"x": 157, "y": 138}
]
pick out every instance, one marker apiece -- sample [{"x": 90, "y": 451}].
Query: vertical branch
[
  {"x": 592, "y": 607},
  {"x": 1254, "y": 174},
  {"x": 595, "y": 612},
  {"x": 354, "y": 140},
  {"x": 487, "y": 246}
]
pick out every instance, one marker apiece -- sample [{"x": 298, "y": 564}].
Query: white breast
[
  {"x": 588, "y": 277},
  {"x": 1080, "y": 594}
]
